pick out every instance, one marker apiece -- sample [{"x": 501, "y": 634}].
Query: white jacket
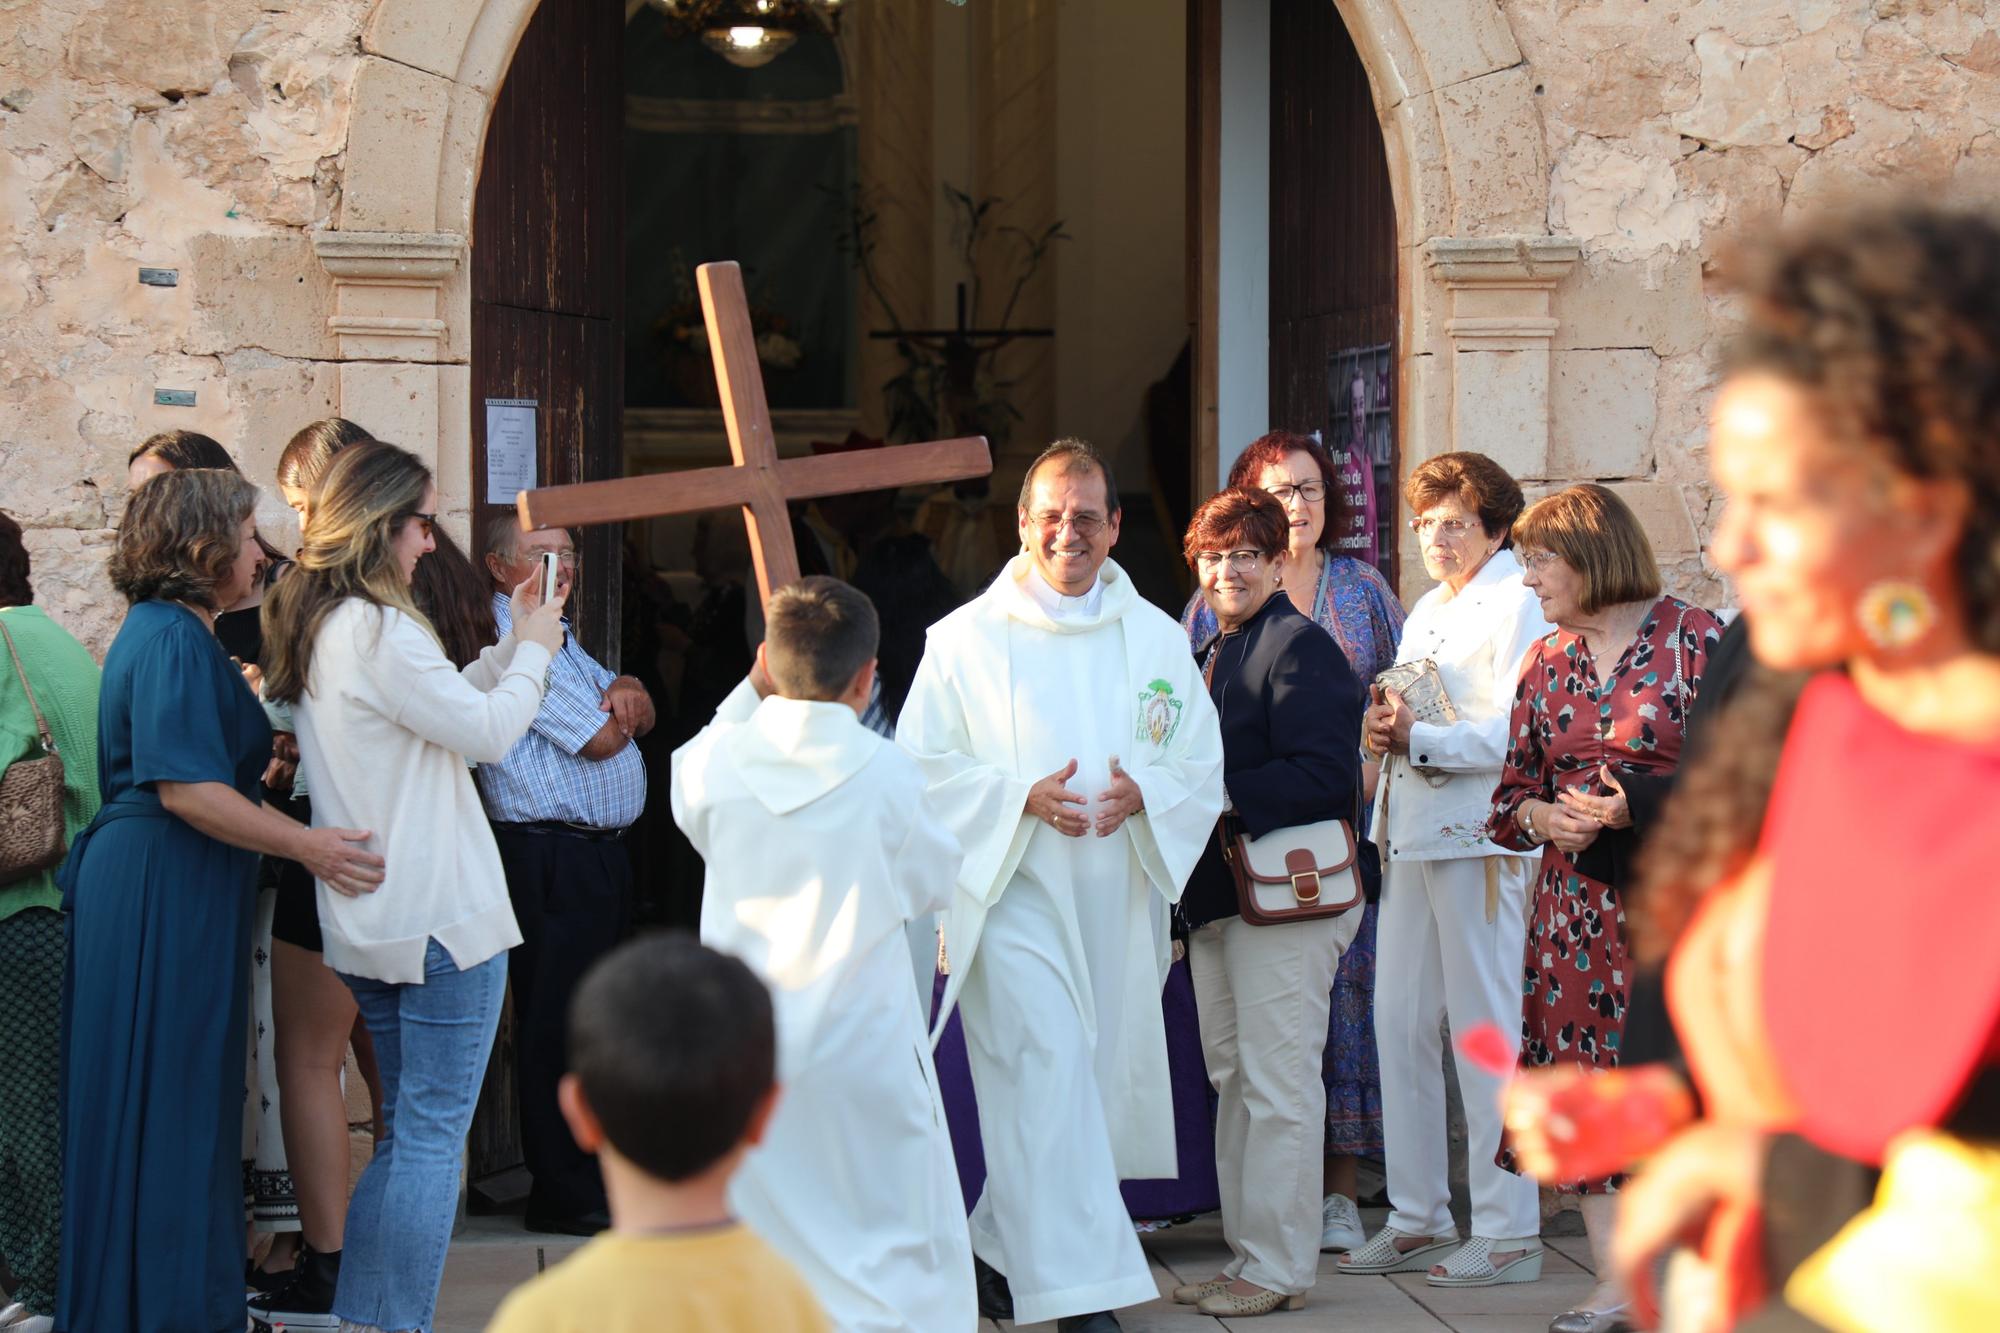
[
  {"x": 385, "y": 727},
  {"x": 1477, "y": 639}
]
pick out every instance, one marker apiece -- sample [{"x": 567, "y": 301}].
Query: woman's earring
[{"x": 1896, "y": 613}]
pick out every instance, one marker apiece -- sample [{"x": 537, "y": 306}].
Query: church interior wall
[
  {"x": 227, "y": 139},
  {"x": 1121, "y": 306}
]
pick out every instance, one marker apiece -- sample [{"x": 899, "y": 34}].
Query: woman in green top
[{"x": 64, "y": 678}]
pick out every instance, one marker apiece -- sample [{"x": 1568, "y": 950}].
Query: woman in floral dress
[
  {"x": 1351, "y": 601},
  {"x": 1605, "y": 694}
]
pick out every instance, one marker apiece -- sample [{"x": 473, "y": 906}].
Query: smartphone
[{"x": 549, "y": 566}]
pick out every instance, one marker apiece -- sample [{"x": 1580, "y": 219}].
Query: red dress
[{"x": 1569, "y": 719}]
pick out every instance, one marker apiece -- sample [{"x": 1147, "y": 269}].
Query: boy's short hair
[
  {"x": 674, "y": 1046},
  {"x": 818, "y": 633}
]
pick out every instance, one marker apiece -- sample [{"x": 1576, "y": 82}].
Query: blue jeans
[{"x": 431, "y": 1043}]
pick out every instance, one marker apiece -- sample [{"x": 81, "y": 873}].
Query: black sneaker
[{"x": 307, "y": 1301}]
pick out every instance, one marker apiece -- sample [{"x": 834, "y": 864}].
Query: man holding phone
[{"x": 560, "y": 803}]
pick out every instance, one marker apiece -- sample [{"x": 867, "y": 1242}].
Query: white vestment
[
  {"x": 1058, "y": 946},
  {"x": 820, "y": 846}
]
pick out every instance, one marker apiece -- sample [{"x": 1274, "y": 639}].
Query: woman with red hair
[
  {"x": 1290, "y": 711},
  {"x": 1349, "y": 599}
]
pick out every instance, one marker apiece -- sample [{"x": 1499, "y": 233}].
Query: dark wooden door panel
[
  {"x": 547, "y": 324},
  {"x": 570, "y": 367},
  {"x": 1333, "y": 218},
  {"x": 548, "y": 225}
]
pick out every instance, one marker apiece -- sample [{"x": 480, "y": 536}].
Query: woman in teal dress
[{"x": 160, "y": 892}]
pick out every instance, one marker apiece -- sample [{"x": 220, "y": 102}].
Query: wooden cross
[{"x": 759, "y": 480}]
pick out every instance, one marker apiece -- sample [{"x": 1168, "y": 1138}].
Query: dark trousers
[{"x": 571, "y": 896}]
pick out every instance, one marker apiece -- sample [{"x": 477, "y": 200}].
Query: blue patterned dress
[{"x": 1354, "y": 604}]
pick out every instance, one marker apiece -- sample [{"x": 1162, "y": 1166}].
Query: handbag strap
[{"x": 41, "y": 723}]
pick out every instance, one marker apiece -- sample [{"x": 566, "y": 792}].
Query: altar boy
[{"x": 821, "y": 845}]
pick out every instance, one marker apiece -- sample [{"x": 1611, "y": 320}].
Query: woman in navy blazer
[{"x": 1290, "y": 710}]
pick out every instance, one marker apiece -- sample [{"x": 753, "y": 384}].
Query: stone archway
[
  {"x": 1466, "y": 157},
  {"x": 1469, "y": 170}
]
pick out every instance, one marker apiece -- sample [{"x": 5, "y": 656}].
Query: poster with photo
[{"x": 1359, "y": 382}]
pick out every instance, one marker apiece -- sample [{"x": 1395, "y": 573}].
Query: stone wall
[
  {"x": 1672, "y": 127},
  {"x": 204, "y": 136}
]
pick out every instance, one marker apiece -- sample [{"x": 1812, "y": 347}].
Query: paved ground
[{"x": 493, "y": 1256}]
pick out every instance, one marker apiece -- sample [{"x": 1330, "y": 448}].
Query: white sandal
[
  {"x": 1471, "y": 1264},
  {"x": 1380, "y": 1254}
]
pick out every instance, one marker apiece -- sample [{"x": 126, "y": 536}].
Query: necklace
[{"x": 201, "y": 613}]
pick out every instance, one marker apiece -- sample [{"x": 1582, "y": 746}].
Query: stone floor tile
[
  {"x": 1555, "y": 1293},
  {"x": 1500, "y": 1323},
  {"x": 1577, "y": 1248}
]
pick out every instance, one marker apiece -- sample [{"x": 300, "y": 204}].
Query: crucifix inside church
[{"x": 759, "y": 481}]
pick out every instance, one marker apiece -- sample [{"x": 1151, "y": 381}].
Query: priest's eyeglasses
[
  {"x": 1312, "y": 492},
  {"x": 1085, "y": 526},
  {"x": 1229, "y": 559}
]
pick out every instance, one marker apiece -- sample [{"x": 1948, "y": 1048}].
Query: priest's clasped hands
[{"x": 1050, "y": 801}]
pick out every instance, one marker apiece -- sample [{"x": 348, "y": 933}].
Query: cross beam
[{"x": 759, "y": 480}]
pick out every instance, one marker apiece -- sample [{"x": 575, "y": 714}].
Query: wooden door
[
  {"x": 547, "y": 315},
  {"x": 1333, "y": 238},
  {"x": 547, "y": 274}
]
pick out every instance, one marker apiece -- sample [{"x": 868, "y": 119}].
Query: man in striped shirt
[{"x": 560, "y": 803}]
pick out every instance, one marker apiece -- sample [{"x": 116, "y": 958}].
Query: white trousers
[
  {"x": 1051, "y": 1217},
  {"x": 1263, "y": 993},
  {"x": 1438, "y": 957}
]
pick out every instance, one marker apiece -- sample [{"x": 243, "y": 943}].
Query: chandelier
[{"x": 749, "y": 33}]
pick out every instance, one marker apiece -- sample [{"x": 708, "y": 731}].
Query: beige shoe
[
  {"x": 1191, "y": 1293},
  {"x": 1226, "y": 1303}
]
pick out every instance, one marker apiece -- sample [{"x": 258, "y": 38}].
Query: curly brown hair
[
  {"x": 180, "y": 536},
  {"x": 1271, "y": 450},
  {"x": 1889, "y": 319}
]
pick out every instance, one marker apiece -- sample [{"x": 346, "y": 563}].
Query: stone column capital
[
  {"x": 1501, "y": 261},
  {"x": 388, "y": 287},
  {"x": 1501, "y": 326}
]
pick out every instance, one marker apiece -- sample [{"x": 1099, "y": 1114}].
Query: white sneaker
[{"x": 1341, "y": 1224}]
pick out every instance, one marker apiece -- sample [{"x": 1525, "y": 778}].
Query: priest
[
  {"x": 820, "y": 847},
  {"x": 1067, "y": 741}
]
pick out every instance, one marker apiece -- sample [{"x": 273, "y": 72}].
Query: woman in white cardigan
[
  {"x": 386, "y": 724},
  {"x": 1453, "y": 918}
]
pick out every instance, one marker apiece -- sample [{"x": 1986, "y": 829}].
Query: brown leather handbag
[
  {"x": 31, "y": 798},
  {"x": 1301, "y": 873}
]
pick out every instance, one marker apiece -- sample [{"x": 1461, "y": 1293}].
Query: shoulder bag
[
  {"x": 31, "y": 798},
  {"x": 1300, "y": 873}
]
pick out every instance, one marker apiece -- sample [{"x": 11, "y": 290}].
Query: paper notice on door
[{"x": 510, "y": 448}]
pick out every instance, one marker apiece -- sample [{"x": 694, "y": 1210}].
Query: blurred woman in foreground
[{"x": 1830, "y": 884}]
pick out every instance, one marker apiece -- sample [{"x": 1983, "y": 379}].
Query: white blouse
[
  {"x": 385, "y": 728},
  {"x": 1477, "y": 639}
]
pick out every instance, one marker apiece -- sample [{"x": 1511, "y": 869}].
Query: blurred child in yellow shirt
[{"x": 671, "y": 1082}]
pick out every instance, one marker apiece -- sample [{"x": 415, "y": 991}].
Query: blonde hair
[
  {"x": 1598, "y": 536},
  {"x": 370, "y": 490}
]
